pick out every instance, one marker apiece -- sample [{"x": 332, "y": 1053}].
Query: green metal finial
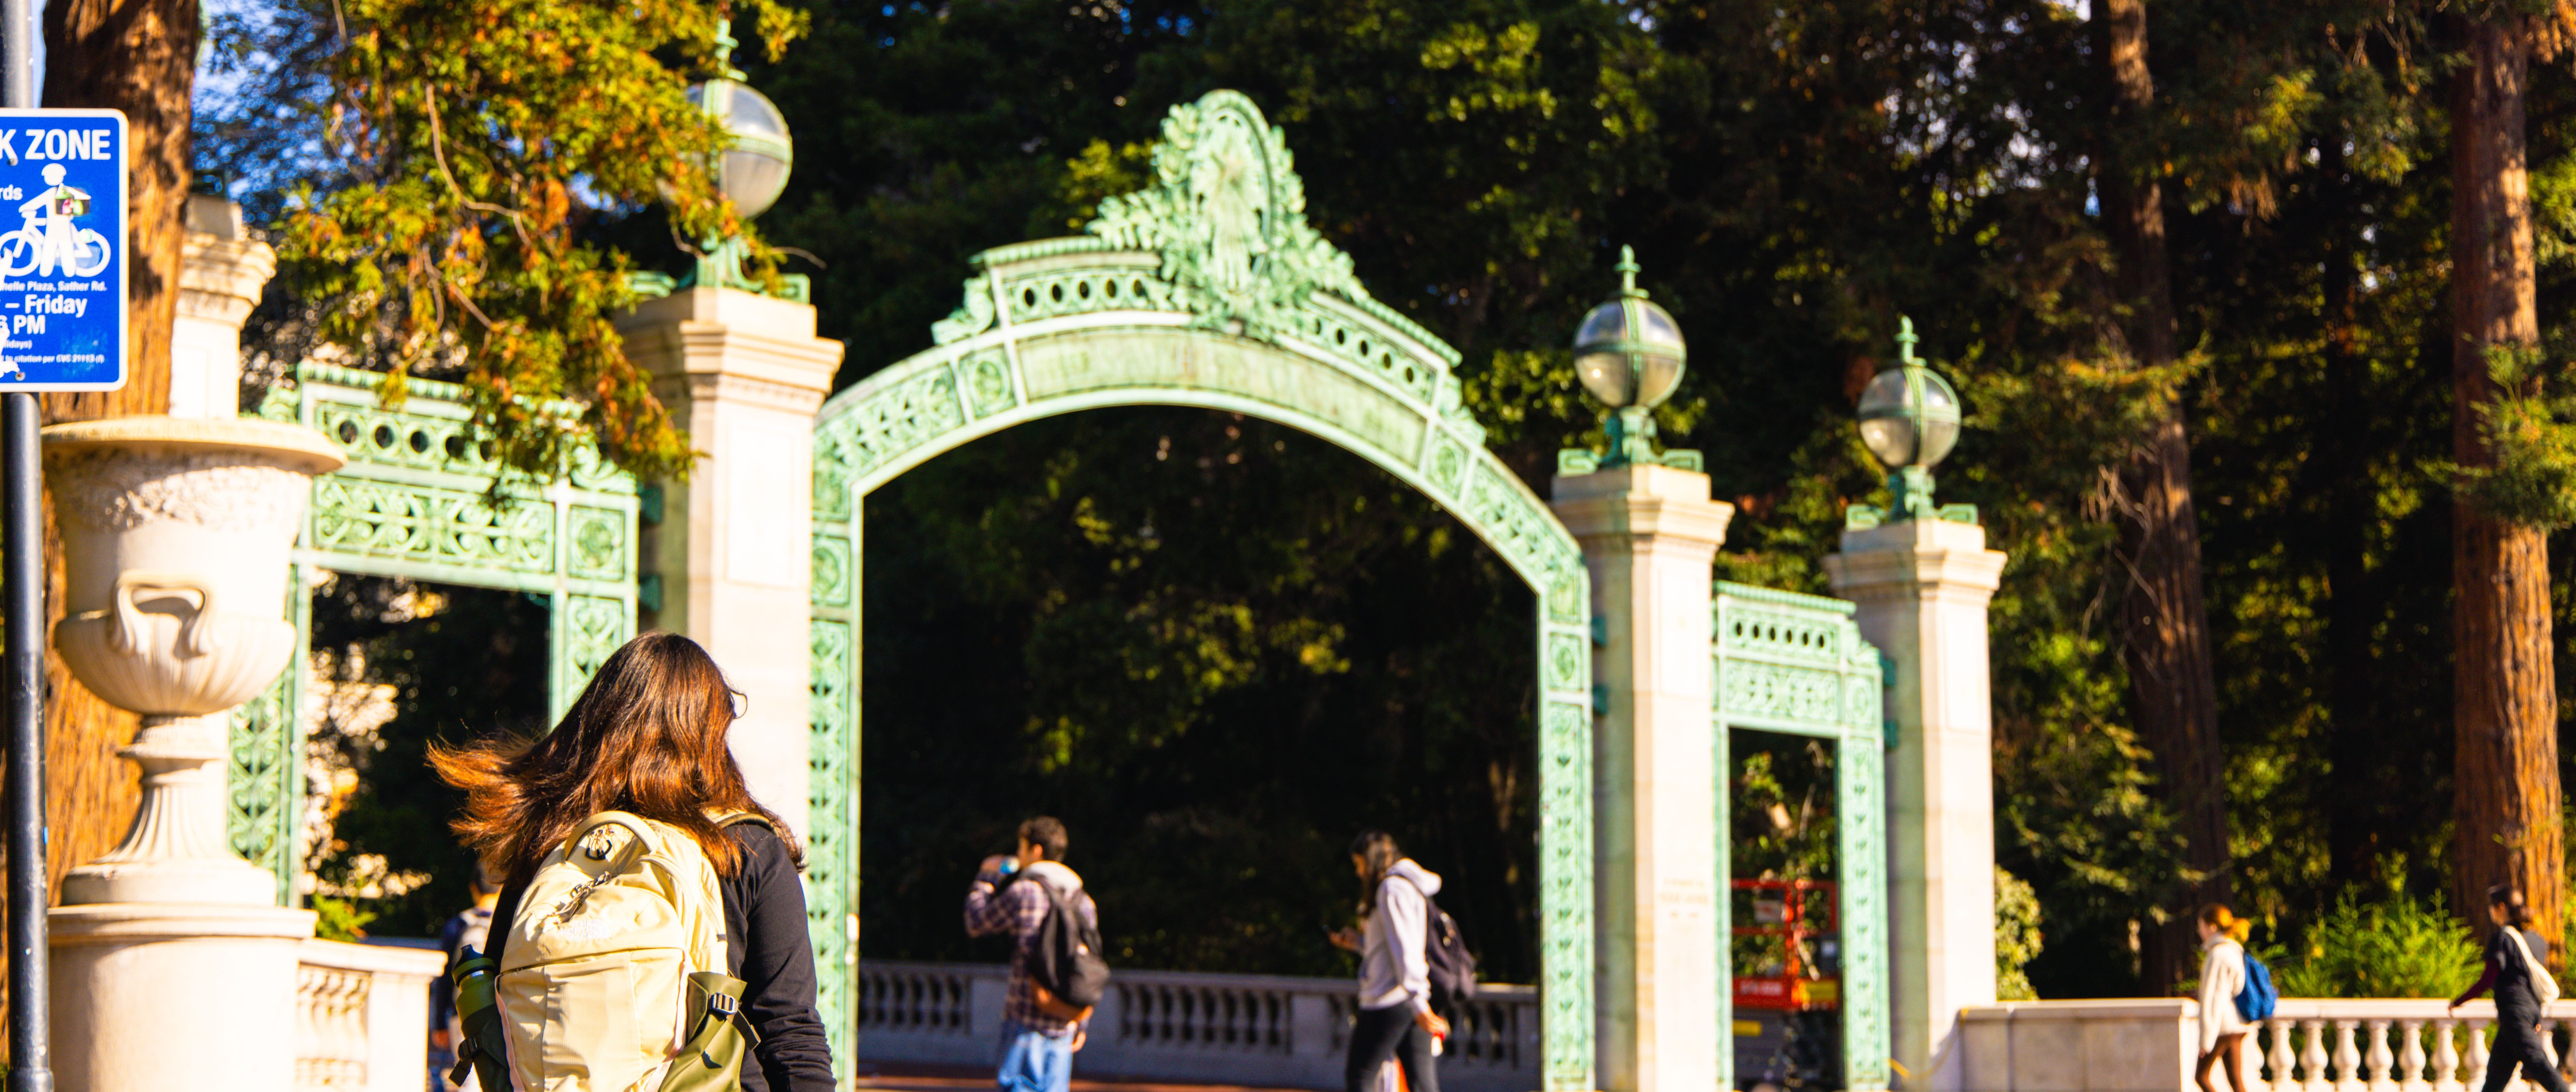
[
  {"x": 725, "y": 41},
  {"x": 1628, "y": 270},
  {"x": 1915, "y": 421}
]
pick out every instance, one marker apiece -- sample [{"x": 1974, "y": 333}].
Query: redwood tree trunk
[
  {"x": 2505, "y": 712},
  {"x": 2165, "y": 619},
  {"x": 138, "y": 56}
]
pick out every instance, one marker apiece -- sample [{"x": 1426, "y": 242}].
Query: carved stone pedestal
[
  {"x": 150, "y": 997},
  {"x": 171, "y": 966}
]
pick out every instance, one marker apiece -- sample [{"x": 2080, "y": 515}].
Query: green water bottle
[{"x": 478, "y": 1010}]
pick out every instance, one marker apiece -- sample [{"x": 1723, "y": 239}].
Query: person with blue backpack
[
  {"x": 2235, "y": 995},
  {"x": 2518, "y": 970}
]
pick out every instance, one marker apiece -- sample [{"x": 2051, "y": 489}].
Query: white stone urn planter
[{"x": 175, "y": 539}]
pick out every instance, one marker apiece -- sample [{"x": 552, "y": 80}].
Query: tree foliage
[
  {"x": 2401, "y": 947},
  {"x": 475, "y": 139},
  {"x": 1217, "y": 669}
]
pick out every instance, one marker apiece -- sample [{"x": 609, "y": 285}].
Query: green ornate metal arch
[
  {"x": 416, "y": 500},
  {"x": 1207, "y": 288},
  {"x": 1796, "y": 664}
]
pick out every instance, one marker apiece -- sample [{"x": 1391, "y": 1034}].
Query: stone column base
[{"x": 149, "y": 997}]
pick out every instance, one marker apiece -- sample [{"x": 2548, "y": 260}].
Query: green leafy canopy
[{"x": 479, "y": 138}]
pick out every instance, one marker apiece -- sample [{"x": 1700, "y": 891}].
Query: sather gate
[{"x": 1207, "y": 288}]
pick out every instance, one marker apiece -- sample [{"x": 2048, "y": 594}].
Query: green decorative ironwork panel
[
  {"x": 264, "y": 809},
  {"x": 1208, "y": 288},
  {"x": 832, "y": 806},
  {"x": 1796, "y": 664},
  {"x": 422, "y": 498}
]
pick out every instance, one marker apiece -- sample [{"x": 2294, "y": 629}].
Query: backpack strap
[{"x": 795, "y": 851}]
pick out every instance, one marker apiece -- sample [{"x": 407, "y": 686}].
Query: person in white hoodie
[
  {"x": 1395, "y": 1018},
  {"x": 2222, "y": 977}
]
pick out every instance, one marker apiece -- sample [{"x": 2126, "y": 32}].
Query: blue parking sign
[{"x": 63, "y": 263}]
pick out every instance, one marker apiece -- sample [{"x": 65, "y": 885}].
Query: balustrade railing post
[
  {"x": 2446, "y": 1057},
  {"x": 2410, "y": 1058},
  {"x": 2312, "y": 1060},
  {"x": 2477, "y": 1077},
  {"x": 2284, "y": 1060},
  {"x": 2347, "y": 1058},
  {"x": 2249, "y": 1052},
  {"x": 2378, "y": 1058}
]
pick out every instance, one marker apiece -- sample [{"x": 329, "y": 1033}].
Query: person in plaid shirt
[{"x": 1039, "y": 1032}]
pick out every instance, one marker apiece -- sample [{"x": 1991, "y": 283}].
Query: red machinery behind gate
[{"x": 1780, "y": 910}]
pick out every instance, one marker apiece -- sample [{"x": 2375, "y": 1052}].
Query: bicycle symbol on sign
[{"x": 49, "y": 239}]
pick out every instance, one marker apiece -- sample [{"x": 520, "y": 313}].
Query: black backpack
[
  {"x": 1453, "y": 968},
  {"x": 1066, "y": 956}
]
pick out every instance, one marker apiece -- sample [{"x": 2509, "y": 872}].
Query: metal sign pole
[{"x": 22, "y": 660}]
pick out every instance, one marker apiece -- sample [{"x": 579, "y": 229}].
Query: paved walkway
[{"x": 906, "y": 1077}]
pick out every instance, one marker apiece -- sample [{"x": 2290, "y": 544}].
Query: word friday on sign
[
  {"x": 58, "y": 144},
  {"x": 31, "y": 319}
]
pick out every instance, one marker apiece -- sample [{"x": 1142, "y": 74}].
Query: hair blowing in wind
[{"x": 647, "y": 736}]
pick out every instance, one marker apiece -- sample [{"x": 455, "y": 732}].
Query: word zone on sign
[
  {"x": 63, "y": 266},
  {"x": 98, "y": 143}
]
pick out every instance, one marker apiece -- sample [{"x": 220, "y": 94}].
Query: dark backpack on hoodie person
[
  {"x": 1065, "y": 958},
  {"x": 1453, "y": 968}
]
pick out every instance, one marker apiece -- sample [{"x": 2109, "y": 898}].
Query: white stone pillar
[
  {"x": 1922, "y": 588},
  {"x": 744, "y": 374},
  {"x": 1650, "y": 535},
  {"x": 155, "y": 996},
  {"x": 220, "y": 278}
]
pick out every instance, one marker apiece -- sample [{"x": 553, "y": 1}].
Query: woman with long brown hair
[{"x": 647, "y": 737}]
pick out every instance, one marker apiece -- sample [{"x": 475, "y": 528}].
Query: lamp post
[
  {"x": 1909, "y": 420},
  {"x": 1920, "y": 577},
  {"x": 1629, "y": 355},
  {"x": 754, "y": 170},
  {"x": 751, "y": 172},
  {"x": 1650, "y": 535}
]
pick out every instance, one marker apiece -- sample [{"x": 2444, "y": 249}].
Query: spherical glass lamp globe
[
  {"x": 1629, "y": 352},
  {"x": 754, "y": 170},
  {"x": 1908, "y": 415}
]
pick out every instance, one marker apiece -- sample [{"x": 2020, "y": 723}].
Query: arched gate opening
[{"x": 1205, "y": 289}]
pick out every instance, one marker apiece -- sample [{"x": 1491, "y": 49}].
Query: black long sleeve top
[
  {"x": 767, "y": 946},
  {"x": 2505, "y": 971}
]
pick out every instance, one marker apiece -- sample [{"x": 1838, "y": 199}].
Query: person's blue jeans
[{"x": 1033, "y": 1061}]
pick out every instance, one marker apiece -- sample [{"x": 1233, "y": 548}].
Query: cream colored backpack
[{"x": 613, "y": 977}]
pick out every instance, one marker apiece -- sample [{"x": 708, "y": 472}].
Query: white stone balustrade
[
  {"x": 362, "y": 1017},
  {"x": 1180, "y": 1026},
  {"x": 2308, "y": 1045}
]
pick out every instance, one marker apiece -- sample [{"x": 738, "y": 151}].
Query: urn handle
[{"x": 195, "y": 636}]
